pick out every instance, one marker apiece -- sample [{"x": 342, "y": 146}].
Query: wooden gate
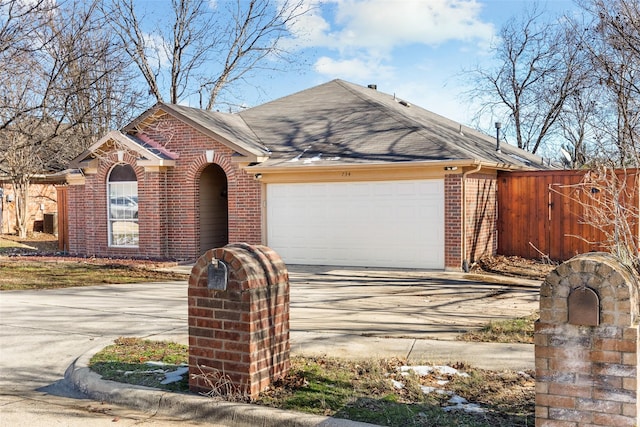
[
  {"x": 543, "y": 213},
  {"x": 63, "y": 217}
]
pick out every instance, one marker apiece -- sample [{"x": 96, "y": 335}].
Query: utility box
[
  {"x": 238, "y": 320},
  {"x": 50, "y": 223}
]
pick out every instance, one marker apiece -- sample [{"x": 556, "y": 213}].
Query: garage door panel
[{"x": 384, "y": 224}]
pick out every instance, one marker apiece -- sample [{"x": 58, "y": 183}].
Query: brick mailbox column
[
  {"x": 587, "y": 345},
  {"x": 241, "y": 332}
]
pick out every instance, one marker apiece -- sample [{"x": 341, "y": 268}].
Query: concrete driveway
[
  {"x": 42, "y": 332},
  {"x": 401, "y": 303}
]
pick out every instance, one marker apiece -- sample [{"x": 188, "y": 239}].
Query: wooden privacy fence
[
  {"x": 63, "y": 218},
  {"x": 550, "y": 212}
]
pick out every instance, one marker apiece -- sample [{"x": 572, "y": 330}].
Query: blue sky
[{"x": 416, "y": 49}]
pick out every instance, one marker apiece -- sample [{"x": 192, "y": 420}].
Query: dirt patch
[
  {"x": 41, "y": 243},
  {"x": 515, "y": 267}
]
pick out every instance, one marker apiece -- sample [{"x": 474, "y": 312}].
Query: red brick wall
[
  {"x": 152, "y": 208},
  {"x": 76, "y": 218},
  {"x": 453, "y": 221},
  {"x": 182, "y": 190},
  {"x": 481, "y": 216},
  {"x": 481, "y": 210},
  {"x": 168, "y": 200}
]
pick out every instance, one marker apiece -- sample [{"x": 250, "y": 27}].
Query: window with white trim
[{"x": 122, "y": 206}]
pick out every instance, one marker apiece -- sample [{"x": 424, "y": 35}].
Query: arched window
[{"x": 123, "y": 206}]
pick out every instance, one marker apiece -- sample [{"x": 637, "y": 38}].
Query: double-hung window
[{"x": 122, "y": 205}]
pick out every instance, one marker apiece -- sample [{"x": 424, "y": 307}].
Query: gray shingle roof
[
  {"x": 347, "y": 123},
  {"x": 230, "y": 127},
  {"x": 343, "y": 123}
]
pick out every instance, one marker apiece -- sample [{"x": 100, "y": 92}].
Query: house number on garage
[{"x": 346, "y": 173}]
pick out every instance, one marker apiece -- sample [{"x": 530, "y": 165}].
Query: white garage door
[{"x": 376, "y": 224}]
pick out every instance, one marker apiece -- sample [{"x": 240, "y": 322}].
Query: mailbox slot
[
  {"x": 584, "y": 307},
  {"x": 217, "y": 275}
]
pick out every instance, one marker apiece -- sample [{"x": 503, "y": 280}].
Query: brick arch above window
[{"x": 110, "y": 161}]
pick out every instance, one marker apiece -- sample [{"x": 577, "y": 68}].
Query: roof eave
[{"x": 458, "y": 163}]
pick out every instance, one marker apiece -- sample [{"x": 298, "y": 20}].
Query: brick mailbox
[
  {"x": 238, "y": 319},
  {"x": 587, "y": 345}
]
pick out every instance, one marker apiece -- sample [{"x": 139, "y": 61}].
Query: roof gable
[
  {"x": 226, "y": 128},
  {"x": 149, "y": 152}
]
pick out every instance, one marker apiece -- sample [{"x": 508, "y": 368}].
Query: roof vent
[{"x": 372, "y": 86}]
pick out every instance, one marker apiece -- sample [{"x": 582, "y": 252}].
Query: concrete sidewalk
[{"x": 491, "y": 356}]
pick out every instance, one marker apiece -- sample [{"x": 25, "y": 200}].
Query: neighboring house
[
  {"x": 338, "y": 174},
  {"x": 41, "y": 209}
]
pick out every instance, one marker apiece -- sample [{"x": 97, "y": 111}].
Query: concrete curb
[{"x": 189, "y": 407}]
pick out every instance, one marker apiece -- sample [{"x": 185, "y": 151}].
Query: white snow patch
[
  {"x": 456, "y": 400},
  {"x": 397, "y": 384},
  {"x": 175, "y": 376},
  {"x": 423, "y": 371},
  {"x": 467, "y": 407},
  {"x": 427, "y": 389},
  {"x": 313, "y": 159},
  {"x": 169, "y": 375},
  {"x": 151, "y": 371},
  {"x": 459, "y": 403}
]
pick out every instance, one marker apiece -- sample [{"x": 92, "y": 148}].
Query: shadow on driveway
[{"x": 403, "y": 303}]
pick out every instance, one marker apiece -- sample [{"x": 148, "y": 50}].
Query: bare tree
[
  {"x": 538, "y": 71},
  {"x": 574, "y": 123},
  {"x": 613, "y": 45},
  {"x": 610, "y": 110},
  {"x": 202, "y": 50},
  {"x": 61, "y": 82}
]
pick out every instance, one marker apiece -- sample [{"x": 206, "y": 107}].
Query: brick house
[{"x": 338, "y": 174}]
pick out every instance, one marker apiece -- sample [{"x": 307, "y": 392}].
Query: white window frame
[{"x": 127, "y": 193}]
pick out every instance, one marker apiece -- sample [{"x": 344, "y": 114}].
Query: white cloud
[
  {"x": 155, "y": 49},
  {"x": 378, "y": 26},
  {"x": 362, "y": 40},
  {"x": 384, "y": 23},
  {"x": 352, "y": 69},
  {"x": 310, "y": 29}
]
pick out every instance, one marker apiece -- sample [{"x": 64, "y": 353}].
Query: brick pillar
[
  {"x": 241, "y": 332},
  {"x": 587, "y": 345}
]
